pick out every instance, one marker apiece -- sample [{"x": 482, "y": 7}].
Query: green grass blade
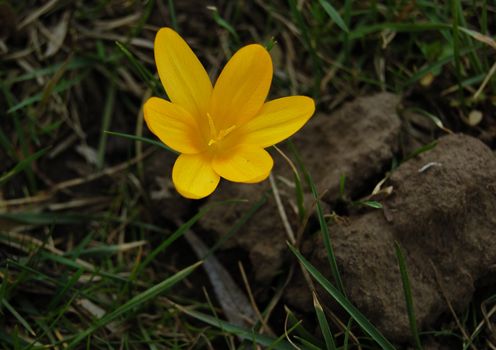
[
  {"x": 397, "y": 27},
  {"x": 74, "y": 264},
  {"x": 347, "y": 44},
  {"x": 299, "y": 20},
  {"x": 12, "y": 339},
  {"x": 247, "y": 334},
  {"x": 19, "y": 318},
  {"x": 66, "y": 287},
  {"x": 172, "y": 11},
  {"x": 432, "y": 117},
  {"x": 435, "y": 66},
  {"x": 323, "y": 324},
  {"x": 221, "y": 22},
  {"x": 456, "y": 47},
  {"x": 176, "y": 235},
  {"x": 331, "y": 11},
  {"x": 300, "y": 198},
  {"x": 347, "y": 331},
  {"x": 300, "y": 195},
  {"x": 135, "y": 302},
  {"x": 327, "y": 239},
  {"x": 307, "y": 345},
  {"x": 7, "y": 146},
  {"x": 62, "y": 86},
  {"x": 141, "y": 139},
  {"x": 43, "y": 218},
  {"x": 484, "y": 22},
  {"x": 142, "y": 71},
  {"x": 408, "y": 295},
  {"x": 73, "y": 64},
  {"x": 106, "y": 120},
  {"x": 171, "y": 239},
  {"x": 22, "y": 165},
  {"x": 323, "y": 225},
  {"x": 369, "y": 203},
  {"x": 360, "y": 319},
  {"x": 421, "y": 150}
]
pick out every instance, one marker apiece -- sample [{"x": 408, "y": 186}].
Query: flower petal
[
  {"x": 243, "y": 163},
  {"x": 173, "y": 125},
  {"x": 242, "y": 87},
  {"x": 193, "y": 175},
  {"x": 183, "y": 76},
  {"x": 276, "y": 121}
]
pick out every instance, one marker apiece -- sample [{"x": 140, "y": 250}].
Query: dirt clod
[
  {"x": 336, "y": 145},
  {"x": 442, "y": 215}
]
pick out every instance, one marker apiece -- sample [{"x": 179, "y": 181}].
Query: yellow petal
[
  {"x": 277, "y": 120},
  {"x": 183, "y": 76},
  {"x": 242, "y": 87},
  {"x": 243, "y": 164},
  {"x": 173, "y": 125},
  {"x": 193, "y": 175}
]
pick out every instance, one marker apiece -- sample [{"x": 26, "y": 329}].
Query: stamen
[
  {"x": 225, "y": 132},
  {"x": 213, "y": 130},
  {"x": 214, "y": 135}
]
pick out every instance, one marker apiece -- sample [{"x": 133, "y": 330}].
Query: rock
[
  {"x": 359, "y": 140},
  {"x": 441, "y": 213}
]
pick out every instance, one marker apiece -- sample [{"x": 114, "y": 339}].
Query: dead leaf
[{"x": 233, "y": 301}]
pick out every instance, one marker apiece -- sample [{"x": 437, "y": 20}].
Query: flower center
[{"x": 217, "y": 135}]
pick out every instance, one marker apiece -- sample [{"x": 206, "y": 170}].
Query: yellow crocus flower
[{"x": 219, "y": 131}]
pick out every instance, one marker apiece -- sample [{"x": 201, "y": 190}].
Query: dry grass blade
[
  {"x": 77, "y": 203},
  {"x": 486, "y": 321},
  {"x": 286, "y": 333},
  {"x": 97, "y": 312},
  {"x": 480, "y": 37},
  {"x": 38, "y": 13},
  {"x": 47, "y": 195},
  {"x": 27, "y": 243},
  {"x": 462, "y": 329},
  {"x": 265, "y": 327},
  {"x": 282, "y": 211},
  {"x": 488, "y": 77}
]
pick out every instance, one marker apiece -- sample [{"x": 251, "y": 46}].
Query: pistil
[{"x": 216, "y": 136}]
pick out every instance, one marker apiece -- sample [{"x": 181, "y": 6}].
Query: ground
[{"x": 375, "y": 229}]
